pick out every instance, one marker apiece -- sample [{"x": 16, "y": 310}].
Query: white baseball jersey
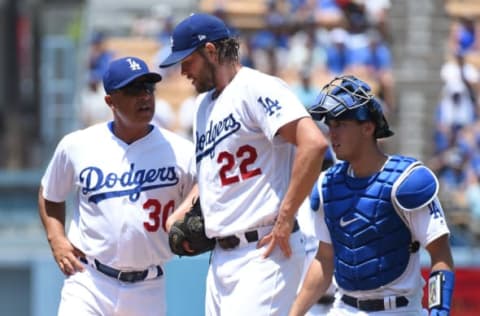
[
  {"x": 243, "y": 169},
  {"x": 123, "y": 192},
  {"x": 305, "y": 218},
  {"x": 424, "y": 227}
]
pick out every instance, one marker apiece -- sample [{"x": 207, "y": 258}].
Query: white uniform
[
  {"x": 243, "y": 173},
  {"x": 306, "y": 219},
  {"x": 123, "y": 195},
  {"x": 424, "y": 228}
]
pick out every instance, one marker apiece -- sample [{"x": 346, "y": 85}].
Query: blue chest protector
[{"x": 371, "y": 242}]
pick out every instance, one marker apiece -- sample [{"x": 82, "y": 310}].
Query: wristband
[{"x": 440, "y": 289}]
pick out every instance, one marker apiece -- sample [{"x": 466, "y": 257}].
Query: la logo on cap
[{"x": 133, "y": 64}]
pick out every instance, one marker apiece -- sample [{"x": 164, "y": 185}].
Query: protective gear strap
[
  {"x": 315, "y": 196},
  {"x": 440, "y": 290},
  {"x": 314, "y": 199}
]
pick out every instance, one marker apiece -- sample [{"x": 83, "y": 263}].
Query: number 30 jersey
[
  {"x": 123, "y": 193},
  {"x": 243, "y": 167}
]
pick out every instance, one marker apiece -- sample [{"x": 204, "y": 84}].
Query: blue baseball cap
[
  {"x": 122, "y": 71},
  {"x": 191, "y": 33}
]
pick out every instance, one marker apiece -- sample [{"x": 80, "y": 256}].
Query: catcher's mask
[{"x": 347, "y": 97}]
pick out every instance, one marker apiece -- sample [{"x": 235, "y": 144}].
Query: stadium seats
[
  {"x": 142, "y": 47},
  {"x": 242, "y": 14},
  {"x": 463, "y": 8}
]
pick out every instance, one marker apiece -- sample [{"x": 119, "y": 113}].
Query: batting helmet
[{"x": 347, "y": 97}]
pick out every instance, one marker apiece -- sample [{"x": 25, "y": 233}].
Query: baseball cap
[
  {"x": 122, "y": 71},
  {"x": 193, "y": 32}
]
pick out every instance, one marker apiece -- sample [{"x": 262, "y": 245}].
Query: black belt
[
  {"x": 124, "y": 276},
  {"x": 326, "y": 300},
  {"x": 372, "y": 305},
  {"x": 232, "y": 241}
]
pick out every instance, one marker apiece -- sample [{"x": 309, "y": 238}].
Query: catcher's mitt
[{"x": 192, "y": 230}]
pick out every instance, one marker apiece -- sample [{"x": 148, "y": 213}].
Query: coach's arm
[{"x": 65, "y": 254}]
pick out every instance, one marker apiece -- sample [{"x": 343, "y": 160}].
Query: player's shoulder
[
  {"x": 179, "y": 142},
  {"x": 416, "y": 187},
  {"x": 257, "y": 79},
  {"x": 93, "y": 132},
  {"x": 257, "y": 86}
]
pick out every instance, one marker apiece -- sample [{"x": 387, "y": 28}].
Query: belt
[
  {"x": 232, "y": 241},
  {"x": 124, "y": 276},
  {"x": 389, "y": 302},
  {"x": 326, "y": 300}
]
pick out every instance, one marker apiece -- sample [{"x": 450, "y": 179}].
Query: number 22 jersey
[{"x": 243, "y": 167}]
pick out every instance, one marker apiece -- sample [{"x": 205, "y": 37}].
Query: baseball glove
[{"x": 192, "y": 230}]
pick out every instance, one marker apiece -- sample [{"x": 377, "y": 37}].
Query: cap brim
[
  {"x": 176, "y": 57},
  {"x": 152, "y": 77}
]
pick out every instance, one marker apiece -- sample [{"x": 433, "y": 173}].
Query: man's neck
[
  {"x": 368, "y": 165},
  {"x": 225, "y": 75}
]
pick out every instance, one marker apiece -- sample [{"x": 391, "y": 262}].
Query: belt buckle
[
  {"x": 361, "y": 305},
  {"x": 127, "y": 276},
  {"x": 119, "y": 275},
  {"x": 229, "y": 242}
]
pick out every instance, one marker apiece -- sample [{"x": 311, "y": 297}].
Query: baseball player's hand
[
  {"x": 439, "y": 312},
  {"x": 66, "y": 255},
  {"x": 187, "y": 236},
  {"x": 170, "y": 221},
  {"x": 280, "y": 236}
]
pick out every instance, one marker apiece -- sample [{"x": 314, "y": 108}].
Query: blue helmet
[{"x": 347, "y": 97}]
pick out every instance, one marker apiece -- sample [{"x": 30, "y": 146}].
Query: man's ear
[
  {"x": 210, "y": 50},
  {"x": 369, "y": 128},
  {"x": 109, "y": 100}
]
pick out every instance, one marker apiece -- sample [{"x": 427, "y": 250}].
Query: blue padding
[
  {"x": 315, "y": 198},
  {"x": 417, "y": 189},
  {"x": 446, "y": 292},
  {"x": 447, "y": 289}
]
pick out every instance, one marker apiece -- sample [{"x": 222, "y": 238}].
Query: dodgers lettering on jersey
[
  {"x": 435, "y": 211},
  {"x": 218, "y": 131},
  {"x": 270, "y": 106},
  {"x": 242, "y": 165},
  {"x": 93, "y": 180},
  {"x": 124, "y": 192}
]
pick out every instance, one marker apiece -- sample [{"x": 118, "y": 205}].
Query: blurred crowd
[
  {"x": 308, "y": 43},
  {"x": 456, "y": 154}
]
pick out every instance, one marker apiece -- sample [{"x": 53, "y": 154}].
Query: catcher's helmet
[{"x": 347, "y": 97}]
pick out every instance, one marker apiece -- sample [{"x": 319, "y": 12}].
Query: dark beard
[
  {"x": 204, "y": 86},
  {"x": 206, "y": 82}
]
